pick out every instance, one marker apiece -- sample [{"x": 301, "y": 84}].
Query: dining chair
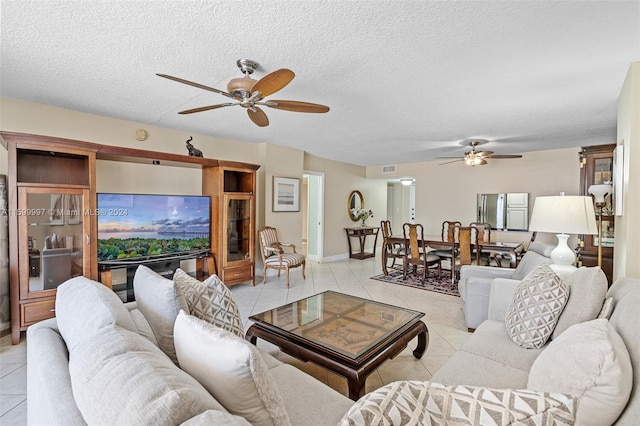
[
  {"x": 391, "y": 250},
  {"x": 415, "y": 253},
  {"x": 448, "y": 234},
  {"x": 483, "y": 231},
  {"x": 466, "y": 255}
]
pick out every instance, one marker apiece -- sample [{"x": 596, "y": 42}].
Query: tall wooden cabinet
[
  {"x": 233, "y": 187},
  {"x": 596, "y": 167},
  {"x": 53, "y": 235},
  {"x": 51, "y": 184}
]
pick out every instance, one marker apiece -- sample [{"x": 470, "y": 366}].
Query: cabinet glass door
[
  {"x": 238, "y": 228},
  {"x": 54, "y": 236}
]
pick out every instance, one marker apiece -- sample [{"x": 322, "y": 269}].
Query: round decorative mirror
[{"x": 355, "y": 201}]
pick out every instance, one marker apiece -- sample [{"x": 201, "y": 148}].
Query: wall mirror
[
  {"x": 355, "y": 201},
  {"x": 504, "y": 211}
]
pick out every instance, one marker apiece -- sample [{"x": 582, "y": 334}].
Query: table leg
[
  {"x": 384, "y": 260},
  {"x": 423, "y": 341},
  {"x": 250, "y": 336},
  {"x": 356, "y": 385}
]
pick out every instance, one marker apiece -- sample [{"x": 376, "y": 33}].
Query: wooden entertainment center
[{"x": 46, "y": 173}]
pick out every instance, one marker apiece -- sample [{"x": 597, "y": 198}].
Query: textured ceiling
[{"x": 406, "y": 80}]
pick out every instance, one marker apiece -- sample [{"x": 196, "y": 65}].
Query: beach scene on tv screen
[{"x": 133, "y": 225}]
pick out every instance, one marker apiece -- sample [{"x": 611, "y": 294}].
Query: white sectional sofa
[
  {"x": 490, "y": 359},
  {"x": 108, "y": 369}
]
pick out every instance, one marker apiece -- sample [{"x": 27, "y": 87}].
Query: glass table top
[{"x": 339, "y": 322}]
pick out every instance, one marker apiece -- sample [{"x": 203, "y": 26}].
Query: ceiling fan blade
[
  {"x": 198, "y": 85},
  {"x": 444, "y": 158},
  {"x": 505, "y": 156},
  {"x": 206, "y": 108},
  {"x": 449, "y": 162},
  {"x": 258, "y": 116},
  {"x": 273, "y": 82},
  {"x": 484, "y": 153},
  {"x": 297, "y": 106},
  {"x": 482, "y": 163}
]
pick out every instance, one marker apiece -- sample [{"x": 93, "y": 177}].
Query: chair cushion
[
  {"x": 589, "y": 361},
  {"x": 535, "y": 308},
  {"x": 210, "y": 301},
  {"x": 430, "y": 403},
  {"x": 231, "y": 369},
  {"x": 160, "y": 301},
  {"x": 588, "y": 288},
  {"x": 289, "y": 259}
]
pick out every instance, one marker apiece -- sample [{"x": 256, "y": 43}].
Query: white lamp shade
[
  {"x": 570, "y": 214},
  {"x": 600, "y": 192}
]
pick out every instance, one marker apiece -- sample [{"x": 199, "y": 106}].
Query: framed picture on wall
[{"x": 286, "y": 194}]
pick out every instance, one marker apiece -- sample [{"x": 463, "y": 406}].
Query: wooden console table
[{"x": 361, "y": 233}]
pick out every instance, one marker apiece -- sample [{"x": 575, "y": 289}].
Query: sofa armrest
[
  {"x": 502, "y": 290},
  {"x": 468, "y": 271},
  {"x": 50, "y": 398}
]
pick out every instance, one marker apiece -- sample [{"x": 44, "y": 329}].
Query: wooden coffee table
[{"x": 348, "y": 335}]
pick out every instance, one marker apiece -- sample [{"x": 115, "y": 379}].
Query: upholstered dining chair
[
  {"x": 415, "y": 253},
  {"x": 274, "y": 256},
  {"x": 392, "y": 251}
]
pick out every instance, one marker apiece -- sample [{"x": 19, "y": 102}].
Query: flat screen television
[{"x": 137, "y": 227}]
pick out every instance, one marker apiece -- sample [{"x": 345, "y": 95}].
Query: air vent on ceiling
[{"x": 389, "y": 169}]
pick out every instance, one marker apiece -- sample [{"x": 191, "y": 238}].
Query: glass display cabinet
[{"x": 596, "y": 167}]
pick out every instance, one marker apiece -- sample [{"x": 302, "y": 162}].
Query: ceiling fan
[
  {"x": 249, "y": 93},
  {"x": 477, "y": 158}
]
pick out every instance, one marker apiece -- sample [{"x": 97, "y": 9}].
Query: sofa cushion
[
  {"x": 160, "y": 300},
  {"x": 491, "y": 340},
  {"x": 122, "y": 378},
  {"x": 414, "y": 402},
  {"x": 84, "y": 308},
  {"x": 607, "y": 308},
  {"x": 210, "y": 301},
  {"x": 589, "y": 361},
  {"x": 588, "y": 287},
  {"x": 535, "y": 308},
  {"x": 477, "y": 370},
  {"x": 231, "y": 369},
  {"x": 214, "y": 417},
  {"x": 298, "y": 388}
]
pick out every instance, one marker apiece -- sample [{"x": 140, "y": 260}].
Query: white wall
[
  {"x": 449, "y": 192},
  {"x": 627, "y": 230}
]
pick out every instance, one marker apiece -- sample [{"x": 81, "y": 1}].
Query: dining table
[{"x": 436, "y": 243}]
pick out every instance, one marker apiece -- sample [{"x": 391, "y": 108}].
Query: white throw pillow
[
  {"x": 588, "y": 288},
  {"x": 535, "y": 308},
  {"x": 430, "y": 403},
  {"x": 160, "y": 301},
  {"x": 210, "y": 301},
  {"x": 590, "y": 362},
  {"x": 231, "y": 369},
  {"x": 85, "y": 308}
]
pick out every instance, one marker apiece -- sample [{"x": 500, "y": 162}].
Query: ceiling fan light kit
[
  {"x": 249, "y": 93},
  {"x": 477, "y": 158}
]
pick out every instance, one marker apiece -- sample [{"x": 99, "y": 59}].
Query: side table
[{"x": 361, "y": 233}]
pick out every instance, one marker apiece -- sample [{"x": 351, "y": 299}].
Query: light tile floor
[{"x": 443, "y": 316}]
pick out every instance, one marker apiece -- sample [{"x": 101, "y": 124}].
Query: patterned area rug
[{"x": 432, "y": 283}]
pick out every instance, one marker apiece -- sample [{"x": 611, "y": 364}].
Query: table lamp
[
  {"x": 600, "y": 193},
  {"x": 563, "y": 215}
]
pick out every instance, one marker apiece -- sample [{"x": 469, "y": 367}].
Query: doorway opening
[{"x": 312, "y": 203}]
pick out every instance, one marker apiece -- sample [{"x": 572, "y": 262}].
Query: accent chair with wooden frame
[
  {"x": 274, "y": 257},
  {"x": 415, "y": 253}
]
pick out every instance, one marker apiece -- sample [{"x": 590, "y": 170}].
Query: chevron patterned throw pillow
[
  {"x": 535, "y": 308},
  {"x": 430, "y": 403},
  {"x": 210, "y": 301}
]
